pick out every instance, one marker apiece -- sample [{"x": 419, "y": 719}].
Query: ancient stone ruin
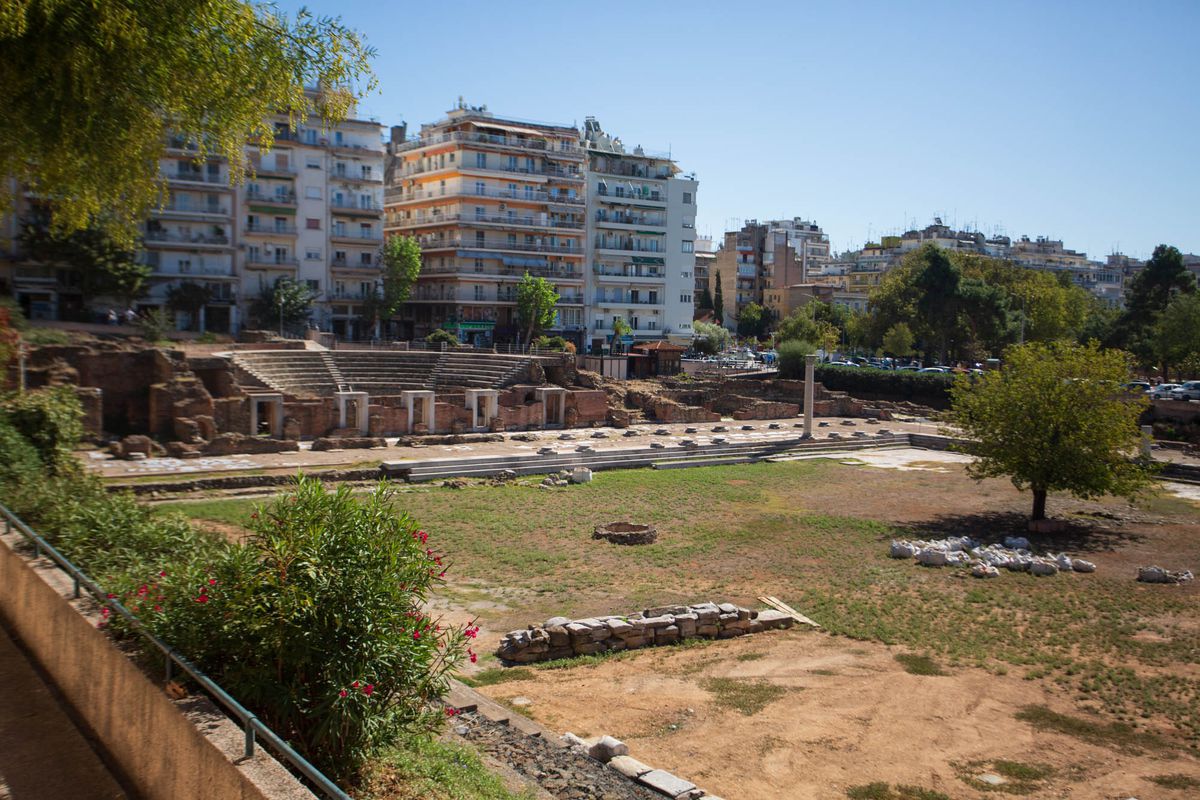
[
  {"x": 626, "y": 533},
  {"x": 560, "y": 637}
]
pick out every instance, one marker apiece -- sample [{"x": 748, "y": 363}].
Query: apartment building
[
  {"x": 810, "y": 250},
  {"x": 740, "y": 269},
  {"x": 488, "y": 199},
  {"x": 706, "y": 253},
  {"x": 641, "y": 233}
]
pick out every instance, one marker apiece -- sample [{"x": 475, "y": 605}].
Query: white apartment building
[
  {"x": 810, "y": 243},
  {"x": 641, "y": 233}
]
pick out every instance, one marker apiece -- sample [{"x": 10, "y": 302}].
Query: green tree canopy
[
  {"x": 710, "y": 338},
  {"x": 401, "y": 257},
  {"x": 706, "y": 299},
  {"x": 753, "y": 321},
  {"x": 1150, "y": 292},
  {"x": 106, "y": 268},
  {"x": 1177, "y": 333},
  {"x": 1053, "y": 418},
  {"x": 898, "y": 341},
  {"x": 536, "y": 299},
  {"x": 189, "y": 297},
  {"x": 89, "y": 92},
  {"x": 719, "y": 300},
  {"x": 286, "y": 298}
]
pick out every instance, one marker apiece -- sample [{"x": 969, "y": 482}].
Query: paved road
[{"x": 43, "y": 756}]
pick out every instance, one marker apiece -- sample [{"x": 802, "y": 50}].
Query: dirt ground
[{"x": 849, "y": 713}]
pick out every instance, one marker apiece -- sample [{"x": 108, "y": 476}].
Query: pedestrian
[
  {"x": 130, "y": 316},
  {"x": 112, "y": 316}
]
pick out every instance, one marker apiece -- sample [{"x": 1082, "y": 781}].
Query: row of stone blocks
[{"x": 559, "y": 637}]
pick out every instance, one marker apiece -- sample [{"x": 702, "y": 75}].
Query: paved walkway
[{"x": 43, "y": 756}]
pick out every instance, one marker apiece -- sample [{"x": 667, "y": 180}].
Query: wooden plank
[{"x": 779, "y": 605}]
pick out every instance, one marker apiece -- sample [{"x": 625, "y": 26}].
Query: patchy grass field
[{"x": 1098, "y": 661}]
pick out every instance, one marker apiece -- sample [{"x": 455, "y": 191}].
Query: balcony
[
  {"x": 608, "y": 218},
  {"x": 190, "y": 239},
  {"x": 176, "y": 208},
  {"x": 351, "y": 208},
  {"x": 276, "y": 199},
  {"x": 600, "y": 300},
  {"x": 570, "y": 151},
  {"x": 489, "y": 219},
  {"x": 270, "y": 170},
  {"x": 504, "y": 273},
  {"x": 356, "y": 237},
  {"x": 347, "y": 177},
  {"x": 270, "y": 262},
  {"x": 201, "y": 271},
  {"x": 629, "y": 246},
  {"x": 278, "y": 229},
  {"x": 194, "y": 176},
  {"x": 619, "y": 194},
  {"x": 571, "y": 249},
  {"x": 538, "y": 196},
  {"x": 626, "y": 170},
  {"x": 345, "y": 264},
  {"x": 616, "y": 276},
  {"x": 570, "y": 300},
  {"x": 543, "y": 170}
]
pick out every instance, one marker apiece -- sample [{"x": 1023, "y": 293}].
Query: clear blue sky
[{"x": 1075, "y": 120}]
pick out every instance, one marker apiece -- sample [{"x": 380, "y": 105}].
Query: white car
[
  {"x": 1187, "y": 391},
  {"x": 933, "y": 369},
  {"x": 1163, "y": 391}
]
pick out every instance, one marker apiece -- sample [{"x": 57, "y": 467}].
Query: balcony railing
[
  {"x": 185, "y": 208},
  {"x": 174, "y": 271},
  {"x": 350, "y": 205},
  {"x": 267, "y": 169},
  {"x": 487, "y": 138},
  {"x": 549, "y": 171},
  {"x": 343, "y": 263},
  {"x": 279, "y": 198},
  {"x": 603, "y": 273},
  {"x": 628, "y": 246},
  {"x": 495, "y": 244},
  {"x": 559, "y": 273},
  {"x": 196, "y": 177},
  {"x": 489, "y": 219},
  {"x": 401, "y": 196},
  {"x": 284, "y": 230},
  {"x": 626, "y": 301},
  {"x": 359, "y": 178},
  {"x": 633, "y": 171},
  {"x": 630, "y": 219},
  {"x": 271, "y": 261},
  {"x": 357, "y": 236},
  {"x": 192, "y": 238},
  {"x": 620, "y": 194}
]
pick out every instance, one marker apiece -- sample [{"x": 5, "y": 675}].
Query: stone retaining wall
[{"x": 560, "y": 637}]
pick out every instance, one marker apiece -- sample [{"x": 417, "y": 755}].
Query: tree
[
  {"x": 706, "y": 299},
  {"x": 536, "y": 299},
  {"x": 89, "y": 92},
  {"x": 285, "y": 301},
  {"x": 620, "y": 328},
  {"x": 719, "y": 301},
  {"x": 106, "y": 267},
  {"x": 189, "y": 297},
  {"x": 710, "y": 338},
  {"x": 1177, "y": 334},
  {"x": 1150, "y": 292},
  {"x": 792, "y": 355},
  {"x": 753, "y": 321},
  {"x": 1053, "y": 418},
  {"x": 401, "y": 257},
  {"x": 898, "y": 341},
  {"x": 939, "y": 280}
]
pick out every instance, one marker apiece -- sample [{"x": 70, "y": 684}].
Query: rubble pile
[
  {"x": 559, "y": 637},
  {"x": 986, "y": 561}
]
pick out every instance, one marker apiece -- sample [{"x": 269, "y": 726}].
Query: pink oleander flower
[
  {"x": 369, "y": 689},
  {"x": 416, "y": 635},
  {"x": 202, "y": 598},
  {"x": 343, "y": 693},
  {"x": 354, "y": 685},
  {"x": 474, "y": 657}
]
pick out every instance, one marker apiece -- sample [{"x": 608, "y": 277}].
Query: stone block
[
  {"x": 666, "y": 783},
  {"x": 607, "y": 748},
  {"x": 771, "y": 618},
  {"x": 558, "y": 636},
  {"x": 658, "y": 622},
  {"x": 629, "y": 766},
  {"x": 667, "y": 635},
  {"x": 707, "y": 630},
  {"x": 686, "y": 624},
  {"x": 589, "y": 648}
]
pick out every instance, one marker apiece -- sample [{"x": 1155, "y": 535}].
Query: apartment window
[
  {"x": 339, "y": 256},
  {"x": 366, "y": 171},
  {"x": 479, "y": 265},
  {"x": 480, "y": 187},
  {"x": 479, "y": 293},
  {"x": 314, "y": 286},
  {"x": 339, "y": 169},
  {"x": 512, "y": 162},
  {"x": 479, "y": 238},
  {"x": 512, "y": 238},
  {"x": 312, "y": 255},
  {"x": 366, "y": 289},
  {"x": 364, "y": 231},
  {"x": 689, "y": 246},
  {"x": 313, "y": 163},
  {"x": 364, "y": 259},
  {"x": 452, "y": 158},
  {"x": 310, "y": 136},
  {"x": 337, "y": 138},
  {"x": 313, "y": 192},
  {"x": 685, "y": 298},
  {"x": 366, "y": 201},
  {"x": 479, "y": 212},
  {"x": 339, "y": 288},
  {"x": 185, "y": 266},
  {"x": 481, "y": 160},
  {"x": 312, "y": 224},
  {"x": 686, "y": 274}
]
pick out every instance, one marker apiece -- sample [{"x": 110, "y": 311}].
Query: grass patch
[
  {"x": 750, "y": 656},
  {"x": 494, "y": 675},
  {"x": 1176, "y": 781},
  {"x": 422, "y": 769},
  {"x": 748, "y": 697},
  {"x": 882, "y": 791},
  {"x": 1020, "y": 778},
  {"x": 919, "y": 665},
  {"x": 1119, "y": 735}
]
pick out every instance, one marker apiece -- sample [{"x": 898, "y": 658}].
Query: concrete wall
[{"x": 173, "y": 750}]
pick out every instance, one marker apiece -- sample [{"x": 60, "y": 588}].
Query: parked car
[
  {"x": 1137, "y": 387},
  {"x": 908, "y": 368},
  {"x": 934, "y": 369},
  {"x": 1163, "y": 391},
  {"x": 1189, "y": 390}
]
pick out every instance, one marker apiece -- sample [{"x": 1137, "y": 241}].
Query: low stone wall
[
  {"x": 560, "y": 637},
  {"x": 168, "y": 750}
]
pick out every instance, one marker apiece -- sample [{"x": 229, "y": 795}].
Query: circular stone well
[{"x": 626, "y": 533}]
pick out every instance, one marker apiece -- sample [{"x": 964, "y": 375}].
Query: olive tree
[{"x": 1053, "y": 418}]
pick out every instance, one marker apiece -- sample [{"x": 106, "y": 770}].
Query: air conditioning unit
[{"x": 503, "y": 206}]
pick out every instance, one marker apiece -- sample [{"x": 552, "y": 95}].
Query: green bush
[
  {"x": 895, "y": 384},
  {"x": 791, "y": 358},
  {"x": 442, "y": 337},
  {"x": 319, "y": 624},
  {"x": 49, "y": 419},
  {"x": 20, "y": 463},
  {"x": 40, "y": 336}
]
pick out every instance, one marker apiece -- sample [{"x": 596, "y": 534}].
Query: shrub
[
  {"x": 319, "y": 624},
  {"x": 791, "y": 358},
  {"x": 49, "y": 419},
  {"x": 442, "y": 337},
  {"x": 19, "y": 460},
  {"x": 154, "y": 324},
  {"x": 900, "y": 384},
  {"x": 554, "y": 343}
]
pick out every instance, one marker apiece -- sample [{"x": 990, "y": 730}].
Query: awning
[
  {"x": 648, "y": 260},
  {"x": 273, "y": 210},
  {"x": 477, "y": 254},
  {"x": 509, "y": 128},
  {"x": 513, "y": 261},
  {"x": 652, "y": 233},
  {"x": 476, "y": 326}
]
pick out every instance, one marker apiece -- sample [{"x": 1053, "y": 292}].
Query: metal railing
[
  {"x": 252, "y": 727},
  {"x": 400, "y": 195}
]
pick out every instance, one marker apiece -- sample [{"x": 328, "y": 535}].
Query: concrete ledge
[{"x": 173, "y": 750}]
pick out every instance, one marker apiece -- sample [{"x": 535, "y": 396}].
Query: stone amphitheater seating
[{"x": 306, "y": 373}]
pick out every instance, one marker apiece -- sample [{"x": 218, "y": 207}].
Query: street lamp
[{"x": 279, "y": 301}]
